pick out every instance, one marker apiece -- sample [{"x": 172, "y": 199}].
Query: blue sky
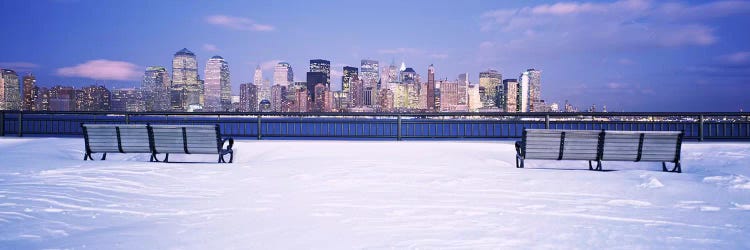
[{"x": 634, "y": 55}]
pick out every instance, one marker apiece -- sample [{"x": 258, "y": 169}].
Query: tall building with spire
[
  {"x": 322, "y": 66},
  {"x": 431, "y": 88},
  {"x": 10, "y": 91},
  {"x": 217, "y": 85},
  {"x": 283, "y": 74},
  {"x": 258, "y": 76},
  {"x": 155, "y": 87},
  {"x": 186, "y": 88},
  {"x": 30, "y": 92}
]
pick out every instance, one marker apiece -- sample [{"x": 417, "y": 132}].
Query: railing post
[
  {"x": 259, "y": 130},
  {"x": 20, "y": 124},
  {"x": 546, "y": 122},
  {"x": 700, "y": 128},
  {"x": 2, "y": 123},
  {"x": 127, "y": 118},
  {"x": 398, "y": 128}
]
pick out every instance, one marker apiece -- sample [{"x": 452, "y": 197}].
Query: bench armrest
[
  {"x": 231, "y": 142},
  {"x": 519, "y": 148}
]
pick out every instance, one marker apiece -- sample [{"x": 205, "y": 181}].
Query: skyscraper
[
  {"x": 313, "y": 78},
  {"x": 277, "y": 97},
  {"x": 248, "y": 97},
  {"x": 489, "y": 80},
  {"x": 463, "y": 79},
  {"x": 523, "y": 104},
  {"x": 431, "y": 88},
  {"x": 369, "y": 73},
  {"x": 322, "y": 66},
  {"x": 217, "y": 86},
  {"x": 186, "y": 88},
  {"x": 349, "y": 74},
  {"x": 535, "y": 90},
  {"x": 282, "y": 74},
  {"x": 510, "y": 99},
  {"x": 155, "y": 87},
  {"x": 463, "y": 85},
  {"x": 10, "y": 91},
  {"x": 474, "y": 99},
  {"x": 29, "y": 92},
  {"x": 357, "y": 93},
  {"x": 258, "y": 76}
]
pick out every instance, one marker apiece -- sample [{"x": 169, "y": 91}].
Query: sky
[{"x": 630, "y": 55}]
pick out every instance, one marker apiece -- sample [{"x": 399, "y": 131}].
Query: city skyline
[{"x": 677, "y": 56}]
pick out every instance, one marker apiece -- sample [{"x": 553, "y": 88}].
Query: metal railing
[{"x": 697, "y": 125}]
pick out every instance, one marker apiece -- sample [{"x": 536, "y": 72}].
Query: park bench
[
  {"x": 189, "y": 139},
  {"x": 115, "y": 138},
  {"x": 598, "y": 146},
  {"x": 155, "y": 139}
]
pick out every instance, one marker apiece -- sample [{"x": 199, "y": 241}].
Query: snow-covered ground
[{"x": 365, "y": 194}]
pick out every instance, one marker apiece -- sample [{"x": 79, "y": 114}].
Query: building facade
[
  {"x": 536, "y": 104},
  {"x": 155, "y": 88},
  {"x": 217, "y": 85},
  {"x": 321, "y": 66},
  {"x": 248, "y": 97},
  {"x": 510, "y": 88},
  {"x": 10, "y": 90},
  {"x": 369, "y": 73},
  {"x": 186, "y": 88},
  {"x": 283, "y": 74},
  {"x": 488, "y": 81},
  {"x": 30, "y": 92},
  {"x": 349, "y": 73}
]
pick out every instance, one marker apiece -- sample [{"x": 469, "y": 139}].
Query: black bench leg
[
  {"x": 104, "y": 156},
  {"x": 166, "y": 157},
  {"x": 231, "y": 157},
  {"x": 598, "y": 166},
  {"x": 519, "y": 161},
  {"x": 677, "y": 167},
  {"x": 153, "y": 158},
  {"x": 87, "y": 156}
]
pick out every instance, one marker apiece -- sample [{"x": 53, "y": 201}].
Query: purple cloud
[
  {"x": 18, "y": 65},
  {"x": 238, "y": 23},
  {"x": 738, "y": 58},
  {"x": 103, "y": 70},
  {"x": 624, "y": 24}
]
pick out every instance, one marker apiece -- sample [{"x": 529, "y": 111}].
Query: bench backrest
[
  {"x": 642, "y": 145},
  {"x": 561, "y": 144},
  {"x": 187, "y": 139},
  {"x": 123, "y": 138}
]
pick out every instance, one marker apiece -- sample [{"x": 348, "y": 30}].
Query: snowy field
[{"x": 372, "y": 195}]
